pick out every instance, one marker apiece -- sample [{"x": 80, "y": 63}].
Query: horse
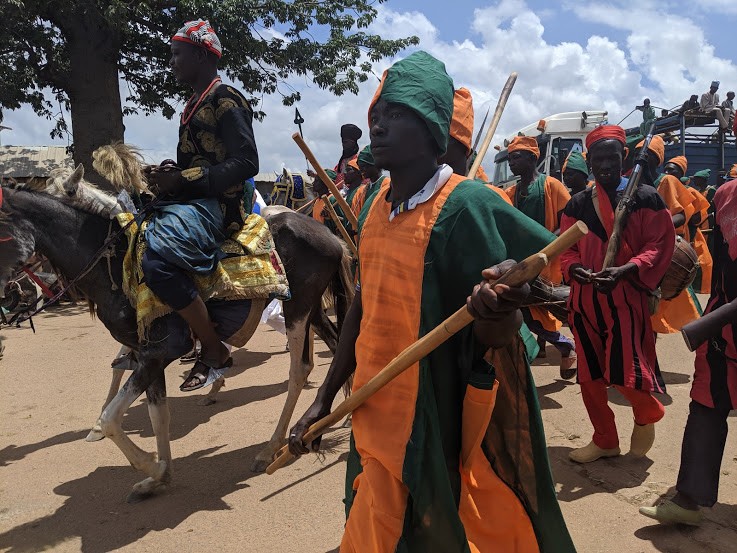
[{"x": 52, "y": 219}]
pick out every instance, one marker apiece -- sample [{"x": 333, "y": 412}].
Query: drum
[
  {"x": 553, "y": 298},
  {"x": 682, "y": 270}
]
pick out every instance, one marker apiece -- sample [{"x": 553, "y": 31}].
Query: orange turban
[
  {"x": 681, "y": 162},
  {"x": 461, "y": 126},
  {"x": 353, "y": 163},
  {"x": 528, "y": 143},
  {"x": 657, "y": 146}
]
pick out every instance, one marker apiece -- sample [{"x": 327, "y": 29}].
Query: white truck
[{"x": 557, "y": 136}]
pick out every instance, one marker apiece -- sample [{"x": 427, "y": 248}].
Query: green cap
[
  {"x": 332, "y": 174},
  {"x": 577, "y": 162},
  {"x": 704, "y": 173},
  {"x": 366, "y": 157},
  {"x": 421, "y": 83}
]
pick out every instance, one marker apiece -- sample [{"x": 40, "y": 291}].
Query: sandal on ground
[
  {"x": 205, "y": 374},
  {"x": 189, "y": 357}
]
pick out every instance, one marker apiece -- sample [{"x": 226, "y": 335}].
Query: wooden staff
[
  {"x": 341, "y": 228},
  {"x": 506, "y": 91},
  {"x": 519, "y": 274},
  {"x": 306, "y": 207},
  {"x": 326, "y": 179}
]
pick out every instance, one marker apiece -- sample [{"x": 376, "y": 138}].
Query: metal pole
[{"x": 682, "y": 119}]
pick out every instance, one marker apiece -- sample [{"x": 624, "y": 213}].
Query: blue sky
[{"x": 570, "y": 56}]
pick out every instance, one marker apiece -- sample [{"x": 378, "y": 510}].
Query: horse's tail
[
  {"x": 121, "y": 164},
  {"x": 342, "y": 291}
]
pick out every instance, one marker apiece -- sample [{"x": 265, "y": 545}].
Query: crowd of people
[
  {"x": 433, "y": 466},
  {"x": 707, "y": 105}
]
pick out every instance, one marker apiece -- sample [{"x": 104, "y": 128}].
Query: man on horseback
[{"x": 203, "y": 191}]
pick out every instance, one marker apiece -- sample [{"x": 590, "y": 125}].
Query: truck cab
[{"x": 557, "y": 136}]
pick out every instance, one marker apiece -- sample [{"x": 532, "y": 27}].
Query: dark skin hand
[
  {"x": 496, "y": 320},
  {"x": 605, "y": 280}
]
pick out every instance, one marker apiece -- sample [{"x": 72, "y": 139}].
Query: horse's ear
[{"x": 72, "y": 183}]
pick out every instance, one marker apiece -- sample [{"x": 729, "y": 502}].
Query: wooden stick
[
  {"x": 306, "y": 207},
  {"x": 326, "y": 179},
  {"x": 506, "y": 91},
  {"x": 341, "y": 228},
  {"x": 519, "y": 274}
]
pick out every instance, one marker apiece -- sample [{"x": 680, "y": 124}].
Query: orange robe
[
  {"x": 556, "y": 198},
  {"x": 702, "y": 206},
  {"x": 673, "y": 314}
]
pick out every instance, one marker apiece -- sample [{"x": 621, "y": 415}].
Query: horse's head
[
  {"x": 71, "y": 188},
  {"x": 17, "y": 242}
]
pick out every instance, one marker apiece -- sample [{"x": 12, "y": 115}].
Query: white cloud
[{"x": 667, "y": 63}]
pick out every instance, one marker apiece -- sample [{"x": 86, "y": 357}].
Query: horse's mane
[{"x": 121, "y": 164}]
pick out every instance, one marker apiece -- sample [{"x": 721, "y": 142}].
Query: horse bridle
[{"x": 104, "y": 251}]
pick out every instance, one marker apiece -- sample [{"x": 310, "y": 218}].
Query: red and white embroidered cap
[{"x": 200, "y": 33}]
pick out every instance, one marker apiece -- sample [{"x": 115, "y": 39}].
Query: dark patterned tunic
[{"x": 217, "y": 151}]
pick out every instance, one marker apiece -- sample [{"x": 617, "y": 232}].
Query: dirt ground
[{"x": 60, "y": 493}]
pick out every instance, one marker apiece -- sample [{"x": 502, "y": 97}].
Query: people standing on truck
[
  {"x": 728, "y": 108},
  {"x": 689, "y": 105},
  {"x": 542, "y": 198},
  {"x": 648, "y": 116},
  {"x": 710, "y": 105}
]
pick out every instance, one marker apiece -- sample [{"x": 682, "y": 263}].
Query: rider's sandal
[{"x": 213, "y": 373}]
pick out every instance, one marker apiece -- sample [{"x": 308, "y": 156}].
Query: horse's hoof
[
  {"x": 259, "y": 465},
  {"x": 146, "y": 489},
  {"x": 95, "y": 435}
]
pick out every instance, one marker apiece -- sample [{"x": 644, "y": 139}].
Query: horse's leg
[
  {"x": 209, "y": 398},
  {"x": 112, "y": 417},
  {"x": 96, "y": 433},
  {"x": 158, "y": 412},
  {"x": 300, "y": 366}
]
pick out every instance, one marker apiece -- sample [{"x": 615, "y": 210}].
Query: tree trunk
[{"x": 94, "y": 93}]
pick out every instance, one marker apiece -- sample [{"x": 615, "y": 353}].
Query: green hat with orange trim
[{"x": 421, "y": 83}]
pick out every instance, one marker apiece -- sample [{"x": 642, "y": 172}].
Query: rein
[{"x": 104, "y": 251}]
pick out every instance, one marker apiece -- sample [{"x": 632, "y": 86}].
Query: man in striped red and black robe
[
  {"x": 608, "y": 309},
  {"x": 714, "y": 388}
]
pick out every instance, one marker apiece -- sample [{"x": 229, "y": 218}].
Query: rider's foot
[{"x": 198, "y": 377}]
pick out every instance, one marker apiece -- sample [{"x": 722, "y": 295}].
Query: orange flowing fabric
[
  {"x": 556, "y": 198},
  {"x": 672, "y": 315},
  {"x": 317, "y": 208},
  {"x": 699, "y": 241},
  {"x": 392, "y": 257},
  {"x": 461, "y": 126}
]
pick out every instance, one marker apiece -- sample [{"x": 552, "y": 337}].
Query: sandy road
[{"x": 60, "y": 493}]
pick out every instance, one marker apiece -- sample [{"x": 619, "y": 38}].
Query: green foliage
[{"x": 265, "y": 42}]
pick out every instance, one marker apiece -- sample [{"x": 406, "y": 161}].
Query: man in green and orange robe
[
  {"x": 672, "y": 315},
  {"x": 430, "y": 468},
  {"x": 541, "y": 198}
]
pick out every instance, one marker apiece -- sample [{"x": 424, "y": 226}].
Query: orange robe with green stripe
[
  {"x": 428, "y": 423},
  {"x": 556, "y": 199},
  {"x": 673, "y": 314},
  {"x": 701, "y": 206}
]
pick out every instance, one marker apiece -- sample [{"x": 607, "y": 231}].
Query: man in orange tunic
[
  {"x": 541, "y": 198},
  {"x": 671, "y": 315},
  {"x": 424, "y": 473}
]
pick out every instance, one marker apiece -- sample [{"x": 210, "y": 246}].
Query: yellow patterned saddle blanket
[{"x": 251, "y": 269}]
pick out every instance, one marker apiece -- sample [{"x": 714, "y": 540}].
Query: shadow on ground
[
  {"x": 609, "y": 476},
  {"x": 14, "y": 453},
  {"x": 95, "y": 510}
]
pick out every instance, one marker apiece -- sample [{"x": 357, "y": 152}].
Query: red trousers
[{"x": 646, "y": 408}]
